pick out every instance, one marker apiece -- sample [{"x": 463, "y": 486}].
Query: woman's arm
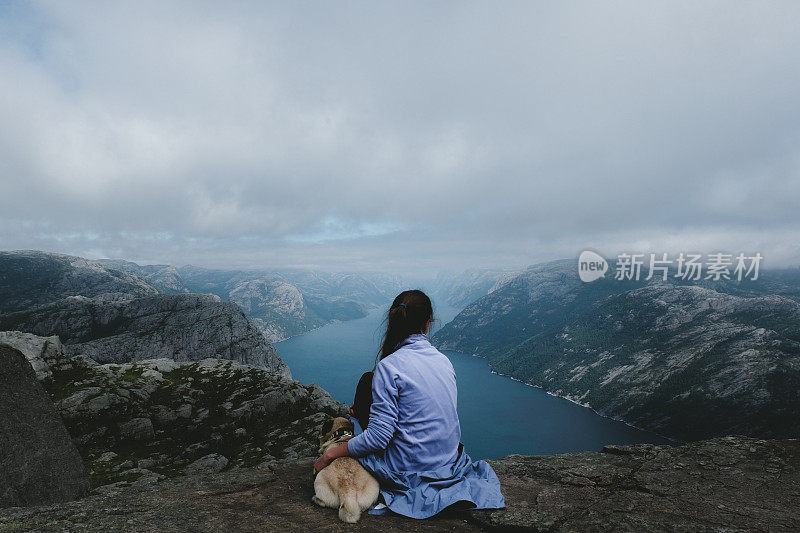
[
  {"x": 331, "y": 454},
  {"x": 382, "y": 421},
  {"x": 382, "y": 415}
]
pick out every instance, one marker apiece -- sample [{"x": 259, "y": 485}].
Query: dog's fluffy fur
[{"x": 344, "y": 484}]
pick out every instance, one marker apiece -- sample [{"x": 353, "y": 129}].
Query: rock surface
[
  {"x": 38, "y": 461},
  {"x": 729, "y": 484},
  {"x": 208, "y": 464},
  {"x": 29, "y": 279}
]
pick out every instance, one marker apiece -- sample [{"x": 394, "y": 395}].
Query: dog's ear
[{"x": 326, "y": 427}]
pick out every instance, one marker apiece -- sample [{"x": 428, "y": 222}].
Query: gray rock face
[
  {"x": 165, "y": 278},
  {"x": 287, "y": 303},
  {"x": 687, "y": 361},
  {"x": 182, "y": 327},
  {"x": 38, "y": 462},
  {"x": 279, "y": 306}
]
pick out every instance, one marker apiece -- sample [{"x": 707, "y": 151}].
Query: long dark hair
[{"x": 408, "y": 314}]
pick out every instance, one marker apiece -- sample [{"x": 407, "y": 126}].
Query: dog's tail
[{"x": 349, "y": 509}]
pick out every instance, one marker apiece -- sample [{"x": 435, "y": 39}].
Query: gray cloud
[{"x": 398, "y": 136}]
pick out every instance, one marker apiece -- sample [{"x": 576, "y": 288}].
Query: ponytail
[{"x": 408, "y": 314}]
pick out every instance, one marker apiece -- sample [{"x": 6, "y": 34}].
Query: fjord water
[{"x": 498, "y": 415}]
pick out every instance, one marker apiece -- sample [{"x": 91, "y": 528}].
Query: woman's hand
[
  {"x": 323, "y": 461},
  {"x": 329, "y": 455}
]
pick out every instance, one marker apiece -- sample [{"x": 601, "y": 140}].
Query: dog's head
[{"x": 334, "y": 432}]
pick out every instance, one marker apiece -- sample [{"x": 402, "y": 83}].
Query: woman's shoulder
[
  {"x": 389, "y": 364},
  {"x": 416, "y": 352},
  {"x": 398, "y": 359}
]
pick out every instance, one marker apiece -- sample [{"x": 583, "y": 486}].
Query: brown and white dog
[{"x": 343, "y": 484}]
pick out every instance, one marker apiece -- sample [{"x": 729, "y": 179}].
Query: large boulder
[
  {"x": 40, "y": 351},
  {"x": 39, "y": 464}
]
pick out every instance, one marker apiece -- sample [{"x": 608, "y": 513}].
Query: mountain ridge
[
  {"x": 686, "y": 361},
  {"x": 116, "y": 316}
]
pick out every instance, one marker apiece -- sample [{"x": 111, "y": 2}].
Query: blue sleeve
[{"x": 382, "y": 415}]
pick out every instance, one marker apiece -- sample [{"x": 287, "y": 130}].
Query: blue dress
[{"x": 411, "y": 444}]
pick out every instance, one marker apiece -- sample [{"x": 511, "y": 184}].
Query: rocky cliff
[
  {"x": 686, "y": 360},
  {"x": 111, "y": 314},
  {"x": 182, "y": 327}
]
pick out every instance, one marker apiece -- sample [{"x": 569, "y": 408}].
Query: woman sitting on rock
[{"x": 411, "y": 443}]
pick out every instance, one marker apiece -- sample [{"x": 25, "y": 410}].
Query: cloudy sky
[{"x": 406, "y": 136}]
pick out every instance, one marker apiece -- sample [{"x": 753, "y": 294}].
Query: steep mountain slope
[
  {"x": 460, "y": 289},
  {"x": 684, "y": 360},
  {"x": 285, "y": 303},
  {"x": 113, "y": 315},
  {"x": 281, "y": 305}
]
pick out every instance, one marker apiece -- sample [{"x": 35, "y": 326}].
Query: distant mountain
[
  {"x": 368, "y": 288},
  {"x": 460, "y": 289},
  {"x": 164, "y": 278},
  {"x": 31, "y": 278},
  {"x": 290, "y": 302},
  {"x": 107, "y": 312},
  {"x": 282, "y": 303},
  {"x": 686, "y": 360}
]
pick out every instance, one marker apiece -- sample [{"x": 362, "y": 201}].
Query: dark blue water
[{"x": 498, "y": 415}]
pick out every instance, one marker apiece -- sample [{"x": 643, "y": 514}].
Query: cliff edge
[{"x": 726, "y": 484}]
